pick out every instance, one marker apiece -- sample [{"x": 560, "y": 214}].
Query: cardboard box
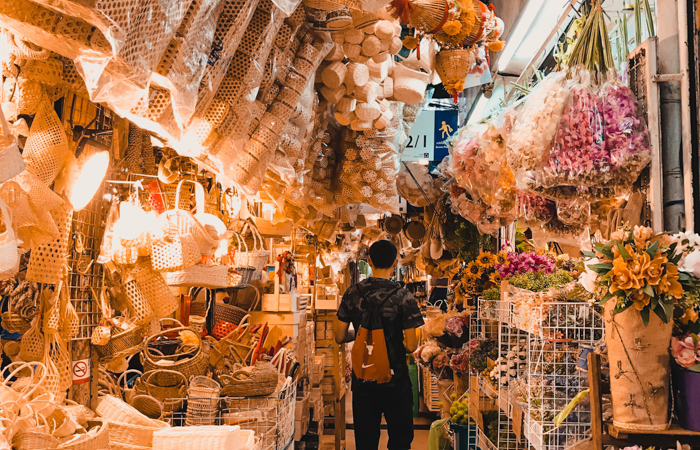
[
  {"x": 300, "y": 428},
  {"x": 291, "y": 323},
  {"x": 316, "y": 394},
  {"x": 301, "y": 410}
]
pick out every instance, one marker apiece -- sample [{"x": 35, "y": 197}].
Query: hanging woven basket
[
  {"x": 453, "y": 67},
  {"x": 426, "y": 15}
]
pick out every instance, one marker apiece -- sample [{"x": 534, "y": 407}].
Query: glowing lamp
[{"x": 92, "y": 173}]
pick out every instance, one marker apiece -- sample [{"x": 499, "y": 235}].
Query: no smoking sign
[{"x": 81, "y": 371}]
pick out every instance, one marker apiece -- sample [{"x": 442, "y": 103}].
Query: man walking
[{"x": 398, "y": 316}]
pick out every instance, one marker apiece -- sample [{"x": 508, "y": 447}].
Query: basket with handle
[
  {"x": 158, "y": 384},
  {"x": 122, "y": 382},
  {"x": 148, "y": 406},
  {"x": 188, "y": 364},
  {"x": 186, "y": 222},
  {"x": 122, "y": 343},
  {"x": 96, "y": 438},
  {"x": 241, "y": 262},
  {"x": 219, "y": 437},
  {"x": 258, "y": 256},
  {"x": 258, "y": 380}
]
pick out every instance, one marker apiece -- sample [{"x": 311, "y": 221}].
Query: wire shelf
[
  {"x": 88, "y": 224},
  {"x": 271, "y": 418}
]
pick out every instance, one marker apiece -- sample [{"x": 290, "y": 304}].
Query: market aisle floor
[{"x": 420, "y": 440}]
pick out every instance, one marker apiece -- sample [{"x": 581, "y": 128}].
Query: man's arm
[
  {"x": 343, "y": 333},
  {"x": 410, "y": 341}
]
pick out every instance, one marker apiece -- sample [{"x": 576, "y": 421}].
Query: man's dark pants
[{"x": 395, "y": 401}]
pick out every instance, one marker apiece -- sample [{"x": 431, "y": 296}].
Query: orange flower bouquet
[{"x": 637, "y": 269}]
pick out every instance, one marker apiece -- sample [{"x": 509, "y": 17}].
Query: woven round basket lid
[
  {"x": 415, "y": 230},
  {"x": 393, "y": 225}
]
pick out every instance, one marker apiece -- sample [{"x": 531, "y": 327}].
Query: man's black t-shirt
[{"x": 399, "y": 313}]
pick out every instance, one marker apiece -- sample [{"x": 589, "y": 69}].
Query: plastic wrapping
[
  {"x": 416, "y": 185},
  {"x": 537, "y": 124},
  {"x": 578, "y": 155},
  {"x": 249, "y": 165},
  {"x": 625, "y": 133}
]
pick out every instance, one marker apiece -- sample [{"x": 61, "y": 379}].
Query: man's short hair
[{"x": 383, "y": 254}]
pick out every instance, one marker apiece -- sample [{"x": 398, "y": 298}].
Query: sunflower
[
  {"x": 495, "y": 278},
  {"x": 501, "y": 258},
  {"x": 475, "y": 269},
  {"x": 485, "y": 259}
]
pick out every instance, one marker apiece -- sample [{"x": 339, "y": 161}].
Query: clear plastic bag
[
  {"x": 625, "y": 133},
  {"x": 537, "y": 124},
  {"x": 578, "y": 155}
]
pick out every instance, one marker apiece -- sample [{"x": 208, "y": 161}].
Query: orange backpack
[{"x": 370, "y": 360}]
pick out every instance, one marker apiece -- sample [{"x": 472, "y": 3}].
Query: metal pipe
[
  {"x": 670, "y": 116},
  {"x": 686, "y": 121}
]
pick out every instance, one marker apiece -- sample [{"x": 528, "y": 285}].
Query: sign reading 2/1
[{"x": 428, "y": 137}]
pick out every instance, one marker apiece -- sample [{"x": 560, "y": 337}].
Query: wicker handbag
[
  {"x": 189, "y": 364},
  {"x": 129, "y": 434},
  {"x": 259, "y": 257},
  {"x": 241, "y": 263},
  {"x": 205, "y": 228},
  {"x": 258, "y": 380},
  {"x": 123, "y": 383}
]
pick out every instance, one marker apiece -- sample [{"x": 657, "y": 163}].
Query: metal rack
[{"x": 271, "y": 418}]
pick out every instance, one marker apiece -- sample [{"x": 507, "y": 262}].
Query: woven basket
[
  {"x": 47, "y": 262},
  {"x": 148, "y": 406},
  {"x": 188, "y": 365},
  {"x": 158, "y": 387},
  {"x": 200, "y": 275},
  {"x": 139, "y": 307},
  {"x": 195, "y": 224},
  {"x": 32, "y": 440},
  {"x": 96, "y": 438},
  {"x": 121, "y": 343},
  {"x": 117, "y": 410},
  {"x": 14, "y": 323},
  {"x": 176, "y": 252},
  {"x": 409, "y": 84},
  {"x": 228, "y": 313},
  {"x": 453, "y": 67},
  {"x": 154, "y": 288},
  {"x": 47, "y": 149},
  {"x": 131, "y": 434},
  {"x": 260, "y": 380}
]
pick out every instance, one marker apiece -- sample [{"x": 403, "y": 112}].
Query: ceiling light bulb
[{"x": 92, "y": 173}]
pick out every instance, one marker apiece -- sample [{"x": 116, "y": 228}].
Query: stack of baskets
[
  {"x": 202, "y": 401},
  {"x": 128, "y": 428}
]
